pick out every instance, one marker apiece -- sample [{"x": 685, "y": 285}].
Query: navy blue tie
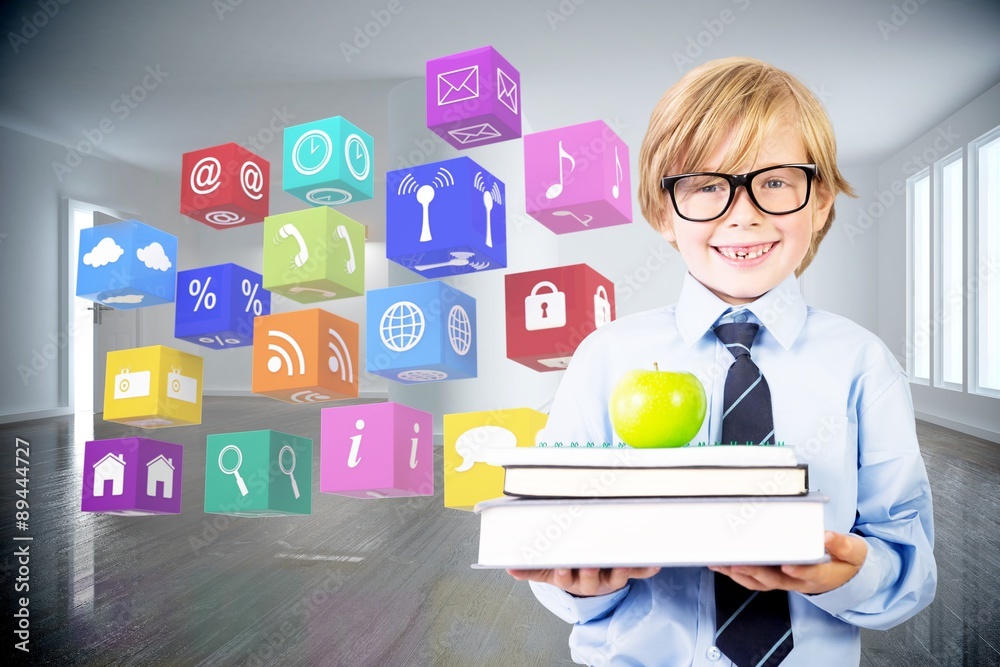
[{"x": 753, "y": 628}]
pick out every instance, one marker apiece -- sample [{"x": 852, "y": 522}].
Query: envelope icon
[
  {"x": 506, "y": 90},
  {"x": 474, "y": 133},
  {"x": 458, "y": 85}
]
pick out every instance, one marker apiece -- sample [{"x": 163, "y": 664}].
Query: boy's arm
[{"x": 899, "y": 576}]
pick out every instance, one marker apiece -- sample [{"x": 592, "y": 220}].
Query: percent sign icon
[
  {"x": 251, "y": 292},
  {"x": 201, "y": 291}
]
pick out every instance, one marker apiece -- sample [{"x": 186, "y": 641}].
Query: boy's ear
[{"x": 824, "y": 200}]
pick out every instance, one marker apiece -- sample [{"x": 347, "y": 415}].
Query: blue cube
[
  {"x": 424, "y": 332},
  {"x": 328, "y": 162},
  {"x": 446, "y": 218},
  {"x": 126, "y": 265},
  {"x": 216, "y": 305}
]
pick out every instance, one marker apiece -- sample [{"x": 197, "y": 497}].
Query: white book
[
  {"x": 628, "y": 457},
  {"x": 760, "y": 530}
]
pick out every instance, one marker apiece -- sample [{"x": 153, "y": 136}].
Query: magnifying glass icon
[
  {"x": 295, "y": 487},
  {"x": 235, "y": 470}
]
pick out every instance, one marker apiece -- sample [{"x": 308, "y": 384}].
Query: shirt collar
[{"x": 781, "y": 311}]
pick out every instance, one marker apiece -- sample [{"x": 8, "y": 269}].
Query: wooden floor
[{"x": 374, "y": 582}]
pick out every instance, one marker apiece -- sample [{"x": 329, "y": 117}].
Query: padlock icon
[
  {"x": 602, "y": 307},
  {"x": 546, "y": 310}
]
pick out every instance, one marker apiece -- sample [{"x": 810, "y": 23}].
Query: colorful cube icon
[
  {"x": 577, "y": 178},
  {"x": 378, "y": 450},
  {"x": 446, "y": 218},
  {"x": 314, "y": 255},
  {"x": 216, "y": 305},
  {"x": 467, "y": 479},
  {"x": 424, "y": 332},
  {"x": 328, "y": 162},
  {"x": 258, "y": 473},
  {"x": 132, "y": 476},
  {"x": 126, "y": 265},
  {"x": 473, "y": 98},
  {"x": 225, "y": 186},
  {"x": 153, "y": 386},
  {"x": 551, "y": 311},
  {"x": 305, "y": 356}
]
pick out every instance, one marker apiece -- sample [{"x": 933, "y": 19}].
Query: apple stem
[{"x": 656, "y": 366}]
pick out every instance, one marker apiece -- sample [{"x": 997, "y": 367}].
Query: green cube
[
  {"x": 258, "y": 473},
  {"x": 314, "y": 255}
]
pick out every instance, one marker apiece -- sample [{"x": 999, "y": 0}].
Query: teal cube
[
  {"x": 258, "y": 473},
  {"x": 328, "y": 162}
]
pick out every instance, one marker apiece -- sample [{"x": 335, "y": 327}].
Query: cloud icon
[
  {"x": 472, "y": 444},
  {"x": 154, "y": 257},
  {"x": 125, "y": 298},
  {"x": 105, "y": 252}
]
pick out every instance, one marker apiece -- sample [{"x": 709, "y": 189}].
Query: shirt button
[
  {"x": 741, "y": 318},
  {"x": 713, "y": 653}
]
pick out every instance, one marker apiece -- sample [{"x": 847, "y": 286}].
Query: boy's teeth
[{"x": 745, "y": 253}]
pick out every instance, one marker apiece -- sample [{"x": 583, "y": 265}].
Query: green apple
[{"x": 657, "y": 408}]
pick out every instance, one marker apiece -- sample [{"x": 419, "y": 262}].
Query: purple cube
[
  {"x": 132, "y": 476},
  {"x": 577, "y": 178},
  {"x": 473, "y": 98}
]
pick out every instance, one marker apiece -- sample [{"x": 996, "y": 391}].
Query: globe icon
[
  {"x": 402, "y": 326},
  {"x": 459, "y": 330}
]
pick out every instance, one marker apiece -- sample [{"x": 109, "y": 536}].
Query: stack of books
[{"x": 605, "y": 507}]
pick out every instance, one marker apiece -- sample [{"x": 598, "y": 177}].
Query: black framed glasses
[{"x": 707, "y": 195}]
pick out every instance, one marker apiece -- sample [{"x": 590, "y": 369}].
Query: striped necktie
[{"x": 754, "y": 628}]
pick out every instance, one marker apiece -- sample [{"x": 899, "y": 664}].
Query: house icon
[
  {"x": 111, "y": 467},
  {"x": 160, "y": 469}
]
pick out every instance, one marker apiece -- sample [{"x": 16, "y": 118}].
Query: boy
[{"x": 836, "y": 393}]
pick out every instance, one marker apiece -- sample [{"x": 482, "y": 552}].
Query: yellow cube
[
  {"x": 153, "y": 386},
  {"x": 467, "y": 480}
]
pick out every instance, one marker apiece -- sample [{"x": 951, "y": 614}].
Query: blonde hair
[{"x": 748, "y": 98}]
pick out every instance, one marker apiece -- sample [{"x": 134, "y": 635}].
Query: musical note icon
[
  {"x": 563, "y": 214},
  {"x": 619, "y": 175},
  {"x": 556, "y": 188}
]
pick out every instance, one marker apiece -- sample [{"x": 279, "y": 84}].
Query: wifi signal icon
[
  {"x": 340, "y": 358},
  {"x": 480, "y": 184},
  {"x": 282, "y": 358},
  {"x": 308, "y": 396}
]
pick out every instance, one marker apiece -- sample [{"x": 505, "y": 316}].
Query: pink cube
[
  {"x": 473, "y": 98},
  {"x": 378, "y": 450},
  {"x": 577, "y": 178}
]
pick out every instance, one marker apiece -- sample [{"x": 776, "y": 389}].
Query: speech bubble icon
[{"x": 473, "y": 443}]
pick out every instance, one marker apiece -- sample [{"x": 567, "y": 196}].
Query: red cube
[
  {"x": 225, "y": 186},
  {"x": 551, "y": 311}
]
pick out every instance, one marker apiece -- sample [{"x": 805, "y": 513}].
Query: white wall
[
  {"x": 973, "y": 414},
  {"x": 33, "y": 268}
]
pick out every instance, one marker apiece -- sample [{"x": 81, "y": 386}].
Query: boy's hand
[
  {"x": 847, "y": 554},
  {"x": 587, "y": 581}
]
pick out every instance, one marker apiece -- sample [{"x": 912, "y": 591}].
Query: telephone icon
[
  {"x": 290, "y": 230},
  {"x": 298, "y": 289},
  {"x": 351, "y": 263}
]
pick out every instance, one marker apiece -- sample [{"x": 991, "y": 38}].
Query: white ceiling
[{"x": 227, "y": 71}]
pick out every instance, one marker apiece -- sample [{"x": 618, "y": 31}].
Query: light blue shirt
[{"x": 841, "y": 399}]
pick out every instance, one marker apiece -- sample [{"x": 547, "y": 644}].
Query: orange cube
[{"x": 305, "y": 356}]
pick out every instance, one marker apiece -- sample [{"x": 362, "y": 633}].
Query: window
[
  {"x": 951, "y": 316},
  {"x": 919, "y": 360},
  {"x": 953, "y": 270},
  {"x": 986, "y": 276}
]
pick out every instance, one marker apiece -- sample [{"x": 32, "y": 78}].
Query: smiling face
[{"x": 746, "y": 252}]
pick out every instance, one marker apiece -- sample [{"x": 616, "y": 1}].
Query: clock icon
[
  {"x": 358, "y": 160},
  {"x": 312, "y": 152}
]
